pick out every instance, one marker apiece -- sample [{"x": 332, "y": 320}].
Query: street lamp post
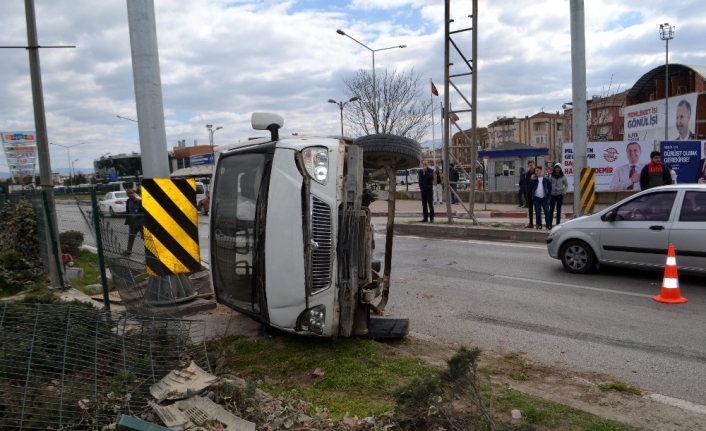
[
  {"x": 73, "y": 169},
  {"x": 211, "y": 131},
  {"x": 341, "y": 105},
  {"x": 666, "y": 33},
  {"x": 375, "y": 97},
  {"x": 68, "y": 153}
]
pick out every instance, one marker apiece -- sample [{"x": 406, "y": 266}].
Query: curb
[
  {"x": 519, "y": 214},
  {"x": 411, "y": 214},
  {"x": 445, "y": 231}
]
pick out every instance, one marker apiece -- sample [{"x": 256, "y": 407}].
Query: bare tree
[{"x": 401, "y": 109}]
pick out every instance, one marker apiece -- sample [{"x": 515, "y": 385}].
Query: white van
[
  {"x": 200, "y": 192},
  {"x": 291, "y": 240}
]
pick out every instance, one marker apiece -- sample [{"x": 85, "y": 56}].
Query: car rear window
[{"x": 120, "y": 195}]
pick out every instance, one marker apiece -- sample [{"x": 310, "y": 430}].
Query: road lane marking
[
  {"x": 576, "y": 286},
  {"x": 676, "y": 402}
]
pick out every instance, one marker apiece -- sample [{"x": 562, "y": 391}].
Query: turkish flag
[{"x": 434, "y": 91}]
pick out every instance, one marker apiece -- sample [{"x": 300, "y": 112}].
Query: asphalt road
[{"x": 515, "y": 298}]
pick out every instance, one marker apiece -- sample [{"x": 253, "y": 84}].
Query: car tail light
[{"x": 118, "y": 202}]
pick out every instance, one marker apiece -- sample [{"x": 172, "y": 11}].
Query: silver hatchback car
[{"x": 637, "y": 231}]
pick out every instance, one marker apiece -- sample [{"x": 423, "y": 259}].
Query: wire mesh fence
[{"x": 75, "y": 368}]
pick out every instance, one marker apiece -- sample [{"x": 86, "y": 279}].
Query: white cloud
[{"x": 222, "y": 60}]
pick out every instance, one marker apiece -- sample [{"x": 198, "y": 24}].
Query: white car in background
[{"x": 113, "y": 203}]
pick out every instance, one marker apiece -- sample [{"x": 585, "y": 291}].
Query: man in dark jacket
[
  {"x": 453, "y": 179},
  {"x": 134, "y": 219},
  {"x": 655, "y": 173},
  {"x": 522, "y": 194},
  {"x": 529, "y": 176},
  {"x": 541, "y": 189},
  {"x": 426, "y": 186}
]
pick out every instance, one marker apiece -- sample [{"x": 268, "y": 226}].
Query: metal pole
[
  {"x": 68, "y": 158},
  {"x": 474, "y": 112},
  {"x": 375, "y": 97},
  {"x": 666, "y": 91},
  {"x": 578, "y": 84},
  {"x": 433, "y": 147},
  {"x": 148, "y": 88},
  {"x": 99, "y": 246},
  {"x": 340, "y": 104},
  {"x": 40, "y": 123},
  {"x": 445, "y": 116}
]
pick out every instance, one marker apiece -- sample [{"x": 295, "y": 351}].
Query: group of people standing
[
  {"x": 431, "y": 185},
  {"x": 542, "y": 194}
]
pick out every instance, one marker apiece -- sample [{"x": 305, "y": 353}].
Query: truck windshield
[{"x": 234, "y": 227}]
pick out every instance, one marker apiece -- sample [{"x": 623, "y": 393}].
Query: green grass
[
  {"x": 88, "y": 261},
  {"x": 553, "y": 415},
  {"x": 360, "y": 375}
]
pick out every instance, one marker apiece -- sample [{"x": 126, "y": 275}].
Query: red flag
[{"x": 434, "y": 91}]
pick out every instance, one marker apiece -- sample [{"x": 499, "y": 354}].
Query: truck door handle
[{"x": 657, "y": 228}]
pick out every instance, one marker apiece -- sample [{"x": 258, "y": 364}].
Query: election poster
[
  {"x": 685, "y": 159},
  {"x": 645, "y": 121},
  {"x": 20, "y": 150},
  {"x": 616, "y": 164}
]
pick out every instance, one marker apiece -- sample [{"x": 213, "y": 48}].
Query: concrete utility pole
[
  {"x": 579, "y": 108},
  {"x": 40, "y": 121},
  {"x": 148, "y": 88},
  {"x": 445, "y": 113}
]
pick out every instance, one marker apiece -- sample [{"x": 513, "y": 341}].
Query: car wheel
[
  {"x": 110, "y": 210},
  {"x": 577, "y": 257},
  {"x": 385, "y": 149},
  {"x": 203, "y": 209}
]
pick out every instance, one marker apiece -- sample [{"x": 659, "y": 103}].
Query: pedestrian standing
[
  {"x": 134, "y": 219},
  {"x": 426, "y": 186},
  {"x": 438, "y": 186},
  {"x": 522, "y": 194},
  {"x": 655, "y": 173},
  {"x": 453, "y": 180},
  {"x": 529, "y": 176},
  {"x": 559, "y": 187},
  {"x": 541, "y": 190}
]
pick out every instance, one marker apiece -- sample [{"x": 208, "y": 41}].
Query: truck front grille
[{"x": 321, "y": 246}]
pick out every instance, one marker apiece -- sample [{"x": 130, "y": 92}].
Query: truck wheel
[
  {"x": 384, "y": 149},
  {"x": 387, "y": 327}
]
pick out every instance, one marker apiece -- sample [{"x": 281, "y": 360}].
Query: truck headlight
[
  {"x": 316, "y": 163},
  {"x": 313, "y": 319}
]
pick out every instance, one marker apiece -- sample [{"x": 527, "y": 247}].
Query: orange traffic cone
[{"x": 670, "y": 285}]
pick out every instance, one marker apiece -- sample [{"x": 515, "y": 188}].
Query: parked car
[
  {"x": 113, "y": 203},
  {"x": 636, "y": 232},
  {"x": 203, "y": 205}
]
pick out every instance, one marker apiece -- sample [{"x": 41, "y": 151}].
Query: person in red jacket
[{"x": 655, "y": 173}]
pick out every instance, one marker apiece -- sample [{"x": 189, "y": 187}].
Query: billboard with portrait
[
  {"x": 645, "y": 121},
  {"x": 616, "y": 164},
  {"x": 685, "y": 158}
]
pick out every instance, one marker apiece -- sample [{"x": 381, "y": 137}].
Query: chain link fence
[{"x": 74, "y": 367}]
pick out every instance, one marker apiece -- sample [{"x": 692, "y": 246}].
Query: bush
[
  {"x": 17, "y": 273},
  {"x": 19, "y": 232},
  {"x": 73, "y": 239}
]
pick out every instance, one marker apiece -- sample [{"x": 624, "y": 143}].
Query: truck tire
[
  {"x": 387, "y": 327},
  {"x": 384, "y": 149}
]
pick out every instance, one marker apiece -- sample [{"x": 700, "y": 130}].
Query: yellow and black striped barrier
[
  {"x": 588, "y": 190},
  {"x": 171, "y": 226}
]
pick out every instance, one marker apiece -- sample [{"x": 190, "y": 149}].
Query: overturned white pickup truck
[{"x": 291, "y": 239}]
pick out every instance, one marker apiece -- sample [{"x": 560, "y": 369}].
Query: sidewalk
[{"x": 496, "y": 222}]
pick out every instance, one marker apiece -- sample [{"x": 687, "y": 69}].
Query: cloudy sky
[{"x": 223, "y": 59}]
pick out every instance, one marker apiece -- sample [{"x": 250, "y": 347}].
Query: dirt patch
[{"x": 578, "y": 390}]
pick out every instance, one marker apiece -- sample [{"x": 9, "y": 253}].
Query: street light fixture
[
  {"x": 341, "y": 105},
  {"x": 666, "y": 33},
  {"x": 211, "y": 131},
  {"x": 73, "y": 169},
  {"x": 68, "y": 153},
  {"x": 375, "y": 97}
]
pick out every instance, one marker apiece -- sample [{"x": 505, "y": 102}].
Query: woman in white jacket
[{"x": 559, "y": 186}]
